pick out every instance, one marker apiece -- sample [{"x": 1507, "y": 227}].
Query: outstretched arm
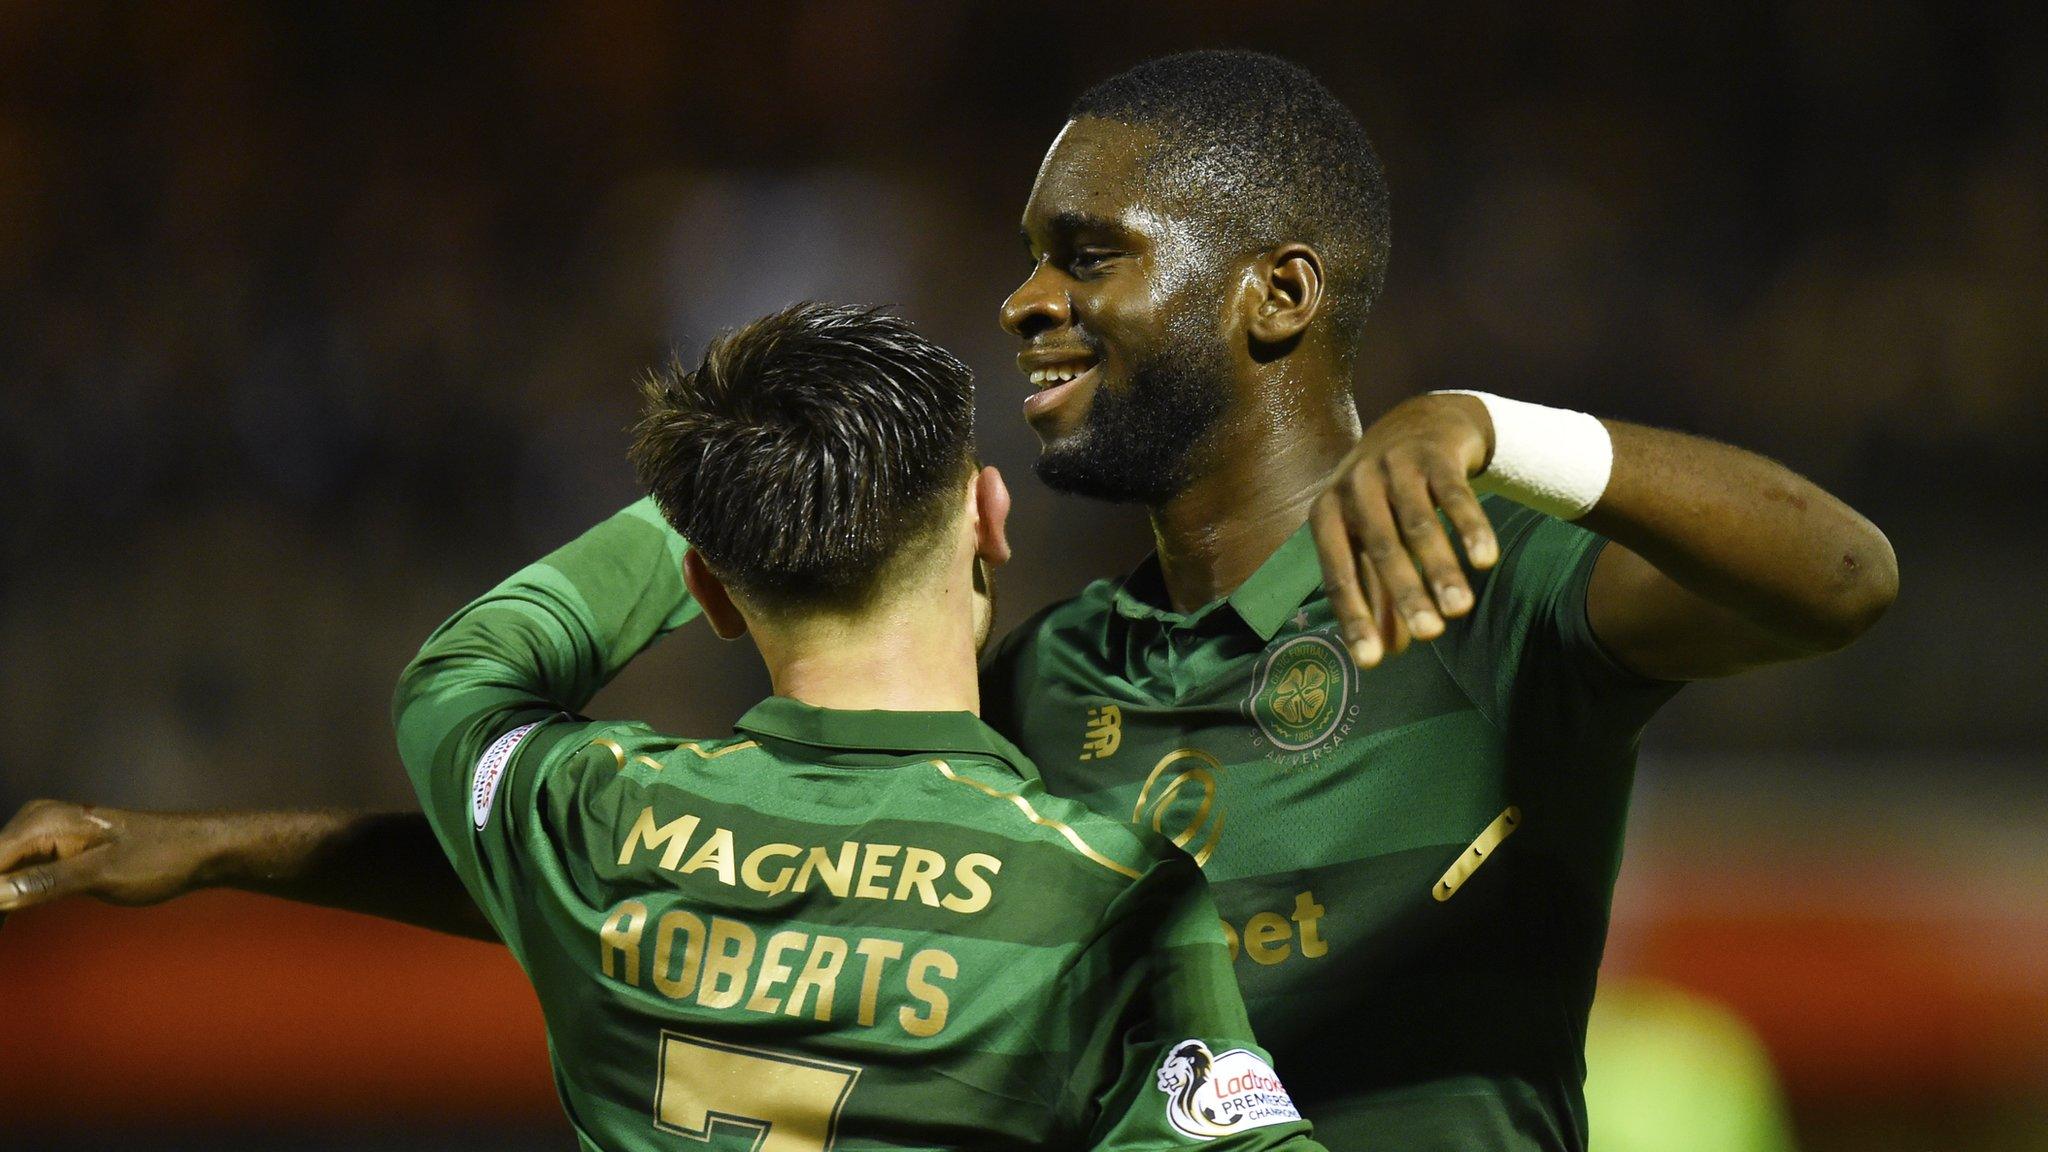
[
  {"x": 383, "y": 864},
  {"x": 541, "y": 643},
  {"x": 1720, "y": 561}
]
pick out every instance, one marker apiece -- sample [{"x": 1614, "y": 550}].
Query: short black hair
[
  {"x": 807, "y": 449},
  {"x": 1270, "y": 153}
]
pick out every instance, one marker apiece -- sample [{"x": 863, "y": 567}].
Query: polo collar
[
  {"x": 1264, "y": 602},
  {"x": 887, "y": 733}
]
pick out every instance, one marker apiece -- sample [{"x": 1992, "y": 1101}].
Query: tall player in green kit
[
  {"x": 1414, "y": 856},
  {"x": 857, "y": 921}
]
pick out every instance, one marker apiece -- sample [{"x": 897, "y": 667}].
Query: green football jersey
[
  {"x": 1414, "y": 863},
  {"x": 830, "y": 930}
]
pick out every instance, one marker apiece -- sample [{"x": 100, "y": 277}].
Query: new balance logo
[{"x": 1105, "y": 732}]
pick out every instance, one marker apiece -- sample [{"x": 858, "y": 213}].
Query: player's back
[{"x": 860, "y": 930}]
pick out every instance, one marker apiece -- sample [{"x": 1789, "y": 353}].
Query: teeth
[{"x": 1058, "y": 375}]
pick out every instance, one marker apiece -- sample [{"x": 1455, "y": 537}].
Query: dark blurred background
[{"x": 316, "y": 320}]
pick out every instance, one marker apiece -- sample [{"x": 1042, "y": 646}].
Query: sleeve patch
[
  {"x": 1210, "y": 1094},
  {"x": 490, "y": 771}
]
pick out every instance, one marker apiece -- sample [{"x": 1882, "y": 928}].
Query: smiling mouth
[
  {"x": 1060, "y": 373},
  {"x": 1052, "y": 385}
]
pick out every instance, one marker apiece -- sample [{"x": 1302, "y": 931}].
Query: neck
[
  {"x": 913, "y": 654},
  {"x": 1270, "y": 465}
]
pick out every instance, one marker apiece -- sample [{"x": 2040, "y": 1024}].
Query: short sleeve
[{"x": 1528, "y": 642}]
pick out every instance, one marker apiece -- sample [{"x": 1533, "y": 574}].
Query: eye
[{"x": 1091, "y": 259}]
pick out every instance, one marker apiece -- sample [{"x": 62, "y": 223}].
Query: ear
[
  {"x": 1286, "y": 292},
  {"x": 712, "y": 597},
  {"x": 991, "y": 507}
]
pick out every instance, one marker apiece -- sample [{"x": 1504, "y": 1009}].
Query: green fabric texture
[
  {"x": 1414, "y": 863},
  {"x": 849, "y": 930}
]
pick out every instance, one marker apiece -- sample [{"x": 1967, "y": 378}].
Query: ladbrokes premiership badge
[
  {"x": 1210, "y": 1095},
  {"x": 1301, "y": 697}
]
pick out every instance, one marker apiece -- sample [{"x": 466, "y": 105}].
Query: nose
[{"x": 1039, "y": 304}]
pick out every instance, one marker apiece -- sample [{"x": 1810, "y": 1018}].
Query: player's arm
[
  {"x": 538, "y": 645},
  {"x": 1720, "y": 561},
  {"x": 1167, "y": 1055},
  {"x": 544, "y": 641},
  {"x": 384, "y": 864}
]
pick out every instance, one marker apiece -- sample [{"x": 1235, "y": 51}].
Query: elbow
[
  {"x": 1862, "y": 585},
  {"x": 406, "y": 696}
]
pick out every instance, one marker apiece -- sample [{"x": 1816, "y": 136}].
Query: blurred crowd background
[{"x": 315, "y": 320}]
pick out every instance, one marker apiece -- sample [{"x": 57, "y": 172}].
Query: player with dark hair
[
  {"x": 1414, "y": 858},
  {"x": 858, "y": 915}
]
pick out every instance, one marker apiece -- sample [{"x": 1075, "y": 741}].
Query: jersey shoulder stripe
[
  {"x": 1031, "y": 813},
  {"x": 618, "y": 751}
]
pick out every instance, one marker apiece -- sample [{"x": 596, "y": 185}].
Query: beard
[{"x": 1139, "y": 445}]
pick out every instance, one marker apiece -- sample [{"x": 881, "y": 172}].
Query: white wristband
[{"x": 1552, "y": 459}]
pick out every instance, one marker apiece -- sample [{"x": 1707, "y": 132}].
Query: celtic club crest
[{"x": 1301, "y": 692}]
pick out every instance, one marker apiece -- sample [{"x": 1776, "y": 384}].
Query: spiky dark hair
[
  {"x": 1264, "y": 150},
  {"x": 807, "y": 449}
]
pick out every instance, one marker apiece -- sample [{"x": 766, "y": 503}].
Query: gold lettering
[
  {"x": 1308, "y": 914},
  {"x": 921, "y": 866},
  {"x": 673, "y": 923},
  {"x": 1261, "y": 933},
  {"x": 620, "y": 938},
  {"x": 676, "y": 834},
  {"x": 1230, "y": 937},
  {"x": 836, "y": 873},
  {"x": 725, "y": 972},
  {"x": 821, "y": 973},
  {"x": 750, "y": 868},
  {"x": 941, "y": 964},
  {"x": 773, "y": 971},
  {"x": 874, "y": 866},
  {"x": 978, "y": 891},
  {"x": 715, "y": 854},
  {"x": 875, "y": 954},
  {"x": 712, "y": 1093}
]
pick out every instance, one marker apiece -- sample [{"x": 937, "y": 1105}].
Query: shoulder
[
  {"x": 633, "y": 751},
  {"x": 569, "y": 751},
  {"x": 1076, "y": 839}
]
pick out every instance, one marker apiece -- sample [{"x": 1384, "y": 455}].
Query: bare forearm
[
  {"x": 1720, "y": 559},
  {"x": 384, "y": 864},
  {"x": 1745, "y": 534}
]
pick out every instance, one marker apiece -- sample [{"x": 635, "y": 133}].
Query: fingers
[
  {"x": 1343, "y": 581},
  {"x": 1389, "y": 566},
  {"x": 41, "y": 883},
  {"x": 1445, "y": 590},
  {"x": 44, "y": 852},
  {"x": 1371, "y": 514},
  {"x": 1392, "y": 630},
  {"x": 30, "y": 834},
  {"x": 1453, "y": 492}
]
